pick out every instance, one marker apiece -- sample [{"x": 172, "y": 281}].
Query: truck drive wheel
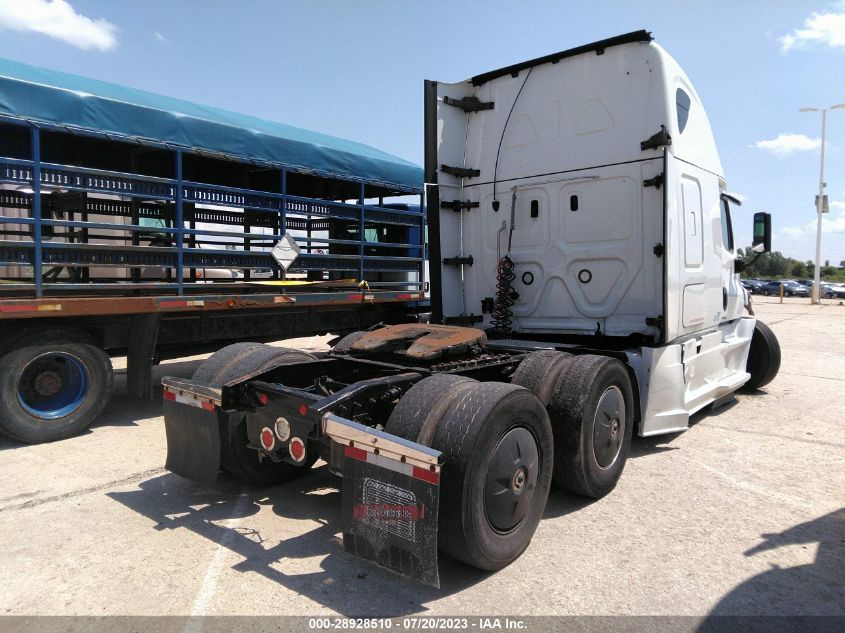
[
  {"x": 240, "y": 359},
  {"x": 539, "y": 371},
  {"x": 345, "y": 344},
  {"x": 422, "y": 408},
  {"x": 498, "y": 446},
  {"x": 236, "y": 457},
  {"x": 53, "y": 384},
  {"x": 763, "y": 357},
  {"x": 592, "y": 414}
]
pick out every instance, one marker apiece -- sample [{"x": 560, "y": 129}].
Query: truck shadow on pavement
[
  {"x": 227, "y": 515},
  {"x": 800, "y": 592}
]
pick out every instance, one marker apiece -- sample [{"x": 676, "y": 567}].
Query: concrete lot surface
[{"x": 744, "y": 513}]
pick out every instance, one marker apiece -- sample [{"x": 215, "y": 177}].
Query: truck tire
[
  {"x": 592, "y": 415},
  {"x": 240, "y": 359},
  {"x": 422, "y": 408},
  {"x": 345, "y": 344},
  {"x": 539, "y": 371},
  {"x": 245, "y": 463},
  {"x": 236, "y": 457},
  {"x": 53, "y": 385},
  {"x": 763, "y": 357},
  {"x": 497, "y": 441}
]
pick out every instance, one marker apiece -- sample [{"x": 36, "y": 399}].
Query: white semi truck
[{"x": 584, "y": 287}]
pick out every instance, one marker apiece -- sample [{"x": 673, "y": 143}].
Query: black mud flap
[
  {"x": 193, "y": 442},
  {"x": 390, "y": 514}
]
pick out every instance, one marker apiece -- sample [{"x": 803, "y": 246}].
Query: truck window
[
  {"x": 682, "y": 103},
  {"x": 727, "y": 226}
]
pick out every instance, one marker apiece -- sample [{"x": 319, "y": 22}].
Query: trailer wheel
[
  {"x": 236, "y": 457},
  {"x": 498, "y": 446},
  {"x": 53, "y": 385},
  {"x": 592, "y": 413},
  {"x": 763, "y": 357},
  {"x": 421, "y": 409},
  {"x": 539, "y": 371}
]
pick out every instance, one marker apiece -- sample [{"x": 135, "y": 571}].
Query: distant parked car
[
  {"x": 790, "y": 288},
  {"x": 754, "y": 286},
  {"x": 833, "y": 291}
]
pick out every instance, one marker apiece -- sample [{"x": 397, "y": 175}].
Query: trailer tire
[
  {"x": 590, "y": 452},
  {"x": 497, "y": 442},
  {"x": 763, "y": 357},
  {"x": 240, "y": 359},
  {"x": 538, "y": 372},
  {"x": 422, "y": 408},
  {"x": 240, "y": 461},
  {"x": 53, "y": 385}
]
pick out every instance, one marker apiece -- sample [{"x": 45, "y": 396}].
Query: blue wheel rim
[{"x": 53, "y": 385}]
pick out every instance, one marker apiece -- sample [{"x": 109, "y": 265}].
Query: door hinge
[
  {"x": 656, "y": 182},
  {"x": 655, "y": 321},
  {"x": 469, "y": 104},
  {"x": 659, "y": 139},
  {"x": 458, "y": 261},
  {"x": 460, "y": 172},
  {"x": 658, "y": 249},
  {"x": 458, "y": 205}
]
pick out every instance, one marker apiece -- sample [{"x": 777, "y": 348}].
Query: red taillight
[
  {"x": 297, "y": 449},
  {"x": 303, "y": 410},
  {"x": 268, "y": 440},
  {"x": 263, "y": 398},
  {"x": 169, "y": 395}
]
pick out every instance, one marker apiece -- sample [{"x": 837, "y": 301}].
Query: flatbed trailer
[{"x": 137, "y": 224}]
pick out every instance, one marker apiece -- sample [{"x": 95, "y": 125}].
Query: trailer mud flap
[
  {"x": 193, "y": 441},
  {"x": 390, "y": 513}
]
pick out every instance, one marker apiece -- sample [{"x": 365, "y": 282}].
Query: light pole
[{"x": 820, "y": 203}]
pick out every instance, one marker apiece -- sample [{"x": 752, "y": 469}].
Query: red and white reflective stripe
[
  {"x": 360, "y": 297},
  {"x": 181, "y": 303},
  {"x": 32, "y": 307},
  {"x": 284, "y": 299},
  {"x": 431, "y": 476},
  {"x": 189, "y": 399}
]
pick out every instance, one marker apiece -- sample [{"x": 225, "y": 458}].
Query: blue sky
[{"x": 355, "y": 70}]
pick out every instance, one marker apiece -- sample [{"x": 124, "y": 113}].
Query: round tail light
[
  {"x": 268, "y": 440},
  {"x": 297, "y": 450}
]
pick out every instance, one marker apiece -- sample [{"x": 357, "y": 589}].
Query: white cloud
[
  {"x": 824, "y": 28},
  {"x": 160, "y": 37},
  {"x": 800, "y": 241},
  {"x": 833, "y": 222},
  {"x": 59, "y": 20},
  {"x": 786, "y": 144}
]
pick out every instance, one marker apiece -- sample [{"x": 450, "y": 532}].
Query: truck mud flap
[
  {"x": 193, "y": 441},
  {"x": 390, "y": 513}
]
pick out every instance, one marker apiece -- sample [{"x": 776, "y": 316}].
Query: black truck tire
[
  {"x": 763, "y": 357},
  {"x": 422, "y": 408},
  {"x": 497, "y": 442},
  {"x": 344, "y": 345},
  {"x": 246, "y": 464},
  {"x": 236, "y": 457},
  {"x": 538, "y": 372},
  {"x": 239, "y": 359},
  {"x": 53, "y": 385},
  {"x": 592, "y": 416}
]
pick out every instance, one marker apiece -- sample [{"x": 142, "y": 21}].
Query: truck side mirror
[{"x": 762, "y": 232}]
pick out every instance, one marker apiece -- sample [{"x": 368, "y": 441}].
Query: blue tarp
[{"x": 64, "y": 99}]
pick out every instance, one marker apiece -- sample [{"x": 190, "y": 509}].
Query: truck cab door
[{"x": 732, "y": 294}]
